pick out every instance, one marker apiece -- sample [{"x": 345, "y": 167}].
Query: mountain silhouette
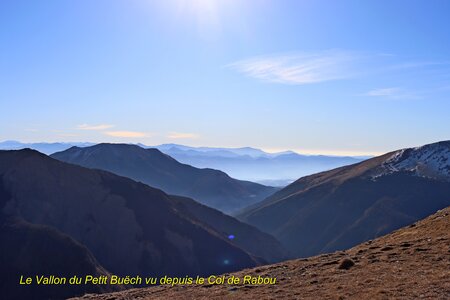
[
  {"x": 210, "y": 187},
  {"x": 273, "y": 169}
]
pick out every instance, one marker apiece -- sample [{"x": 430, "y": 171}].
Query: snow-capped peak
[{"x": 431, "y": 160}]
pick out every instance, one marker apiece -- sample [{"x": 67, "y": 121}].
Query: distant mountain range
[
  {"x": 218, "y": 152},
  {"x": 211, "y": 187},
  {"x": 273, "y": 169},
  {"x": 46, "y": 148},
  {"x": 276, "y": 169},
  {"x": 340, "y": 208},
  {"x": 127, "y": 227}
]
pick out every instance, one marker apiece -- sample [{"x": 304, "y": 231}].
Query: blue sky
[{"x": 332, "y": 77}]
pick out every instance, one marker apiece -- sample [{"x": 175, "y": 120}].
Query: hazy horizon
[{"x": 269, "y": 150}]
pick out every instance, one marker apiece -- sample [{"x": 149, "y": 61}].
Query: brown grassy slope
[{"x": 410, "y": 263}]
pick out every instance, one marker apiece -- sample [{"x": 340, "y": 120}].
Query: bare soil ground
[{"x": 410, "y": 263}]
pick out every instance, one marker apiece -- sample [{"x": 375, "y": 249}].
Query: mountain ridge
[
  {"x": 348, "y": 205},
  {"x": 208, "y": 186},
  {"x": 245, "y": 163}
]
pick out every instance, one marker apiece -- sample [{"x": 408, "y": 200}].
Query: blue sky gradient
[{"x": 331, "y": 77}]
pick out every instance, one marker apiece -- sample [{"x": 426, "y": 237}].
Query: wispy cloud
[
  {"x": 127, "y": 134},
  {"x": 386, "y": 92},
  {"x": 181, "y": 135},
  {"x": 392, "y": 93},
  {"x": 330, "y": 65},
  {"x": 300, "y": 68},
  {"x": 94, "y": 127}
]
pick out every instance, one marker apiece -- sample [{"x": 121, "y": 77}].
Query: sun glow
[
  {"x": 201, "y": 6},
  {"x": 203, "y": 11},
  {"x": 207, "y": 15}
]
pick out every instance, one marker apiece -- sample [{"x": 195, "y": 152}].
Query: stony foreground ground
[{"x": 410, "y": 263}]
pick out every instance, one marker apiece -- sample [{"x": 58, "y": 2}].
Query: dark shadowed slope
[
  {"x": 31, "y": 250},
  {"x": 343, "y": 207},
  {"x": 244, "y": 236},
  {"x": 210, "y": 187},
  {"x": 129, "y": 227},
  {"x": 411, "y": 263}
]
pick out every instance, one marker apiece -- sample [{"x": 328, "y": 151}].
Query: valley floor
[{"x": 410, "y": 263}]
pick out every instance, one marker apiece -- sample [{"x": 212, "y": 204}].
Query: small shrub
[{"x": 346, "y": 264}]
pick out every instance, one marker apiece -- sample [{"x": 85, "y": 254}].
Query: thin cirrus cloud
[
  {"x": 126, "y": 134},
  {"x": 330, "y": 65},
  {"x": 391, "y": 93},
  {"x": 385, "y": 92},
  {"x": 298, "y": 69},
  {"x": 181, "y": 135},
  {"x": 94, "y": 127}
]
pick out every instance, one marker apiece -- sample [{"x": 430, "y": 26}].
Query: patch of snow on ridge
[{"x": 431, "y": 161}]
